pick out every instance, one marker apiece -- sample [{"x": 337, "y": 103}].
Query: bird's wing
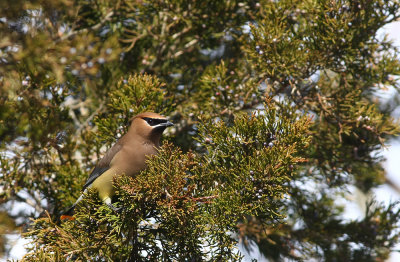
[{"x": 104, "y": 164}]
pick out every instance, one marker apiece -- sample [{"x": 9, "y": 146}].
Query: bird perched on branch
[{"x": 127, "y": 156}]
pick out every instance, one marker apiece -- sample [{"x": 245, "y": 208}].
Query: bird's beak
[
  {"x": 167, "y": 124},
  {"x": 162, "y": 126}
]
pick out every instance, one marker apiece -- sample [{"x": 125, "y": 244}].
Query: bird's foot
[{"x": 115, "y": 209}]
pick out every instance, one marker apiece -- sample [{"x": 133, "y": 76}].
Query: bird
[{"x": 127, "y": 156}]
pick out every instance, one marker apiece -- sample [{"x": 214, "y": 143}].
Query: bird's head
[{"x": 149, "y": 125}]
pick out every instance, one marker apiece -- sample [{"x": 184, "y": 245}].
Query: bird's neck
[{"x": 152, "y": 139}]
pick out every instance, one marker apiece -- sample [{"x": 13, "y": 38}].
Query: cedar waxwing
[{"x": 127, "y": 156}]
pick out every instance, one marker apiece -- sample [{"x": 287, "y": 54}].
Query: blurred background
[{"x": 354, "y": 201}]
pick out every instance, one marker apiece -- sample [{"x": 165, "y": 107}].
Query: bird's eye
[{"x": 150, "y": 121}]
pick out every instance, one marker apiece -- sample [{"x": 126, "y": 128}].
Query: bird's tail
[{"x": 69, "y": 213}]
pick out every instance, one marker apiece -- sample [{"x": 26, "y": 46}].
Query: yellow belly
[{"x": 104, "y": 185}]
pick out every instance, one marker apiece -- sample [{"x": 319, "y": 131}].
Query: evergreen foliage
[{"x": 276, "y": 119}]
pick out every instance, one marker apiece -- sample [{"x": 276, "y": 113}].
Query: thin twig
[
  {"x": 84, "y": 124},
  {"x": 84, "y": 30}
]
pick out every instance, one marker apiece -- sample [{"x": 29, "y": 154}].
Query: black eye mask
[{"x": 154, "y": 121}]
